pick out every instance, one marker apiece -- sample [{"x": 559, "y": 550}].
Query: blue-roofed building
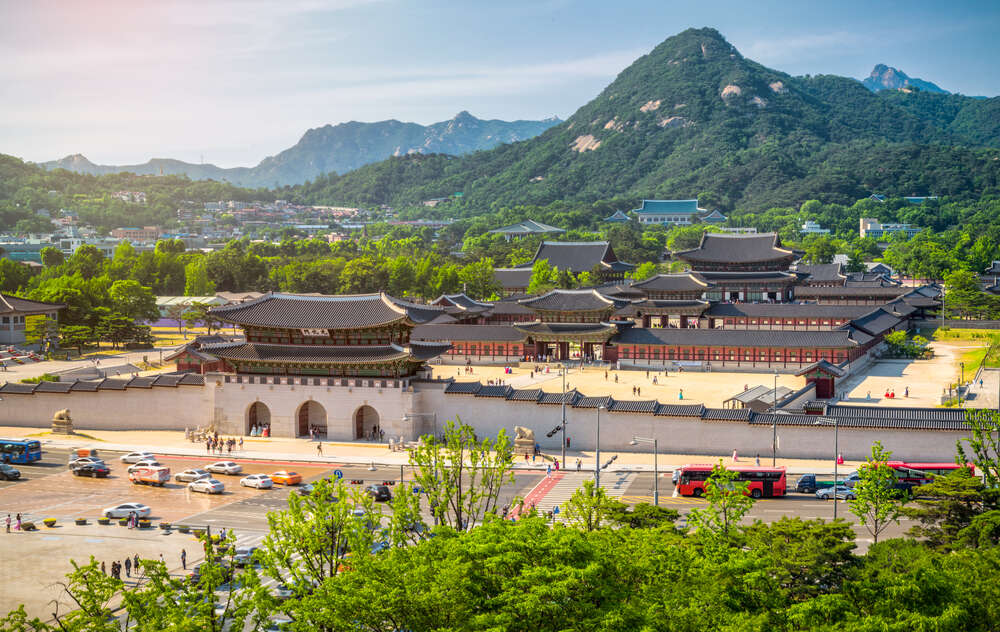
[
  {"x": 920, "y": 200},
  {"x": 619, "y": 217},
  {"x": 675, "y": 213}
]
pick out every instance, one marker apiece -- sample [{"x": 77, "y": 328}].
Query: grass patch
[{"x": 952, "y": 334}]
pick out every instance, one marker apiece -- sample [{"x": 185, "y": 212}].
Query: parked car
[
  {"x": 146, "y": 463},
  {"x": 305, "y": 490},
  {"x": 224, "y": 467},
  {"x": 283, "y": 591},
  {"x": 852, "y": 479},
  {"x": 259, "y": 481},
  {"x": 124, "y": 510},
  {"x": 286, "y": 478},
  {"x": 93, "y": 470},
  {"x": 84, "y": 460},
  {"x": 135, "y": 457},
  {"x": 194, "y": 474},
  {"x": 380, "y": 493},
  {"x": 842, "y": 493},
  {"x": 9, "y": 473},
  {"x": 207, "y": 486},
  {"x": 195, "y": 575},
  {"x": 807, "y": 484},
  {"x": 243, "y": 555},
  {"x": 151, "y": 475}
]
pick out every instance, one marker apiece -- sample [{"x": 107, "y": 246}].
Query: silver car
[
  {"x": 189, "y": 476},
  {"x": 207, "y": 486},
  {"x": 224, "y": 467},
  {"x": 842, "y": 493},
  {"x": 146, "y": 463},
  {"x": 135, "y": 457}
]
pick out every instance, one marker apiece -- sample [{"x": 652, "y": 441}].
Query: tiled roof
[
  {"x": 253, "y": 351},
  {"x": 494, "y": 390},
  {"x": 14, "y": 387},
  {"x": 831, "y": 339},
  {"x": 468, "y": 333},
  {"x": 726, "y": 248},
  {"x": 786, "y": 310},
  {"x": 673, "y": 283},
  {"x": 10, "y": 304},
  {"x": 424, "y": 351},
  {"x": 525, "y": 395},
  {"x": 508, "y": 307},
  {"x": 569, "y": 301},
  {"x": 298, "y": 311},
  {"x": 877, "y": 322},
  {"x": 680, "y": 410},
  {"x": 460, "y": 300},
  {"x": 463, "y": 388},
  {"x": 823, "y": 365},
  {"x": 633, "y": 406},
  {"x": 512, "y": 277},
  {"x": 727, "y": 414},
  {"x": 617, "y": 216},
  {"x": 887, "y": 412},
  {"x": 717, "y": 278},
  {"x": 418, "y": 313},
  {"x": 668, "y": 207},
  {"x": 635, "y": 307},
  {"x": 54, "y": 387},
  {"x": 526, "y": 227},
  {"x": 575, "y": 256},
  {"x": 565, "y": 328},
  {"x": 570, "y": 398},
  {"x": 751, "y": 394},
  {"x": 593, "y": 402},
  {"x": 852, "y": 292},
  {"x": 821, "y": 271}
]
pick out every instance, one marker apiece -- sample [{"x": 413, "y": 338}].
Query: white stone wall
[
  {"x": 682, "y": 434},
  {"x": 158, "y": 408}
]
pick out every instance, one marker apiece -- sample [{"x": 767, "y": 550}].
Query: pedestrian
[
  {"x": 736, "y": 457},
  {"x": 128, "y": 567},
  {"x": 319, "y": 448},
  {"x": 578, "y": 464},
  {"x": 638, "y": 391},
  {"x": 557, "y": 465},
  {"x": 162, "y": 561},
  {"x": 567, "y": 443},
  {"x": 184, "y": 559},
  {"x": 241, "y": 443},
  {"x": 980, "y": 383},
  {"x": 208, "y": 445},
  {"x": 525, "y": 457},
  {"x": 8, "y": 523},
  {"x": 633, "y": 390},
  {"x": 680, "y": 394},
  {"x": 17, "y": 523},
  {"x": 605, "y": 376},
  {"x": 548, "y": 470},
  {"x": 757, "y": 460},
  {"x": 906, "y": 392},
  {"x": 616, "y": 378},
  {"x": 104, "y": 569},
  {"x": 533, "y": 457},
  {"x": 135, "y": 561}
]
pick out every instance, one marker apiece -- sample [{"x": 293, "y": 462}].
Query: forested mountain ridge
[
  {"x": 885, "y": 77},
  {"x": 336, "y": 149},
  {"x": 694, "y": 116}
]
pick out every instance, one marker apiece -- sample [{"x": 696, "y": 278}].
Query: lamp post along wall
[
  {"x": 562, "y": 462},
  {"x": 656, "y": 466},
  {"x": 597, "y": 457},
  {"x": 835, "y": 422}
]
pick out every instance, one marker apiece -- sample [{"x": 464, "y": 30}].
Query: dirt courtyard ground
[{"x": 925, "y": 380}]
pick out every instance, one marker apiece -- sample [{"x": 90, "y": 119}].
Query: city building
[
  {"x": 873, "y": 228},
  {"x": 146, "y": 233},
  {"x": 618, "y": 217},
  {"x": 810, "y": 227},
  {"x": 16, "y": 313},
  {"x": 526, "y": 228}
]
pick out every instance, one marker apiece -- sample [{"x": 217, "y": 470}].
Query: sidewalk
[{"x": 170, "y": 443}]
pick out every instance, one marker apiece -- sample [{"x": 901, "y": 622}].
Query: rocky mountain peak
[{"x": 885, "y": 77}]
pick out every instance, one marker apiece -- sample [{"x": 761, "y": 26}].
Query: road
[{"x": 47, "y": 489}]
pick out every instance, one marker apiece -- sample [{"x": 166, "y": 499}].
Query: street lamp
[
  {"x": 597, "y": 458},
  {"x": 774, "y": 424},
  {"x": 656, "y": 470},
  {"x": 826, "y": 421},
  {"x": 563, "y": 367},
  {"x": 960, "y": 382}
]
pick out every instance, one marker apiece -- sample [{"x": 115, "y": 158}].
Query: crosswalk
[{"x": 614, "y": 485}]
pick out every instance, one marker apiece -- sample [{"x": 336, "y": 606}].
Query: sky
[{"x": 230, "y": 82}]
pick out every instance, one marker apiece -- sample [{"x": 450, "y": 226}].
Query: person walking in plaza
[
  {"x": 17, "y": 523},
  {"x": 756, "y": 460},
  {"x": 104, "y": 569},
  {"x": 135, "y": 562},
  {"x": 736, "y": 457},
  {"x": 241, "y": 444},
  {"x": 184, "y": 559},
  {"x": 8, "y": 523},
  {"x": 578, "y": 464},
  {"x": 548, "y": 470},
  {"x": 319, "y": 449},
  {"x": 128, "y": 567}
]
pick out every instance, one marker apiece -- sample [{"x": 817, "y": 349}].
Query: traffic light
[{"x": 552, "y": 432}]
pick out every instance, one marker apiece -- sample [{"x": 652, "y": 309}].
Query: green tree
[
  {"x": 590, "y": 508},
  {"x": 876, "y": 502},
  {"x": 462, "y": 476},
  {"x": 984, "y": 444},
  {"x": 728, "y": 502},
  {"x": 52, "y": 257},
  {"x": 478, "y": 279},
  {"x": 644, "y": 271},
  {"x": 133, "y": 300},
  {"x": 75, "y": 336},
  {"x": 543, "y": 277},
  {"x": 196, "y": 280},
  {"x": 947, "y": 506}
]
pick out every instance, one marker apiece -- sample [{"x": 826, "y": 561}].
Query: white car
[
  {"x": 142, "y": 464},
  {"x": 135, "y": 457},
  {"x": 188, "y": 476},
  {"x": 84, "y": 460},
  {"x": 260, "y": 481},
  {"x": 206, "y": 485},
  {"x": 224, "y": 467},
  {"x": 243, "y": 555},
  {"x": 124, "y": 510}
]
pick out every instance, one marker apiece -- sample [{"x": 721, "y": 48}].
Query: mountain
[
  {"x": 694, "y": 117},
  {"x": 337, "y": 149},
  {"x": 888, "y": 78}
]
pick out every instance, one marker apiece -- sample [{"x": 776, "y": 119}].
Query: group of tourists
[
  {"x": 263, "y": 430},
  {"x": 130, "y": 564},
  {"x": 219, "y": 444},
  {"x": 17, "y": 523}
]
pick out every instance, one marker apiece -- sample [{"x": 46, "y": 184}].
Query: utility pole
[
  {"x": 563, "y": 461},
  {"x": 597, "y": 458}
]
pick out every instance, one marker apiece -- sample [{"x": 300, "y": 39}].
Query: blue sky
[{"x": 235, "y": 81}]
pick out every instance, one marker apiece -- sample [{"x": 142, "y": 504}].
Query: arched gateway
[
  {"x": 258, "y": 416},
  {"x": 311, "y": 415},
  {"x": 365, "y": 419}
]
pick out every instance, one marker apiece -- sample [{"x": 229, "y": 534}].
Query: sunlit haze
[{"x": 232, "y": 82}]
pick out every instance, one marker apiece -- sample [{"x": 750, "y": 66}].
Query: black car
[
  {"x": 93, "y": 470},
  {"x": 9, "y": 473},
  {"x": 380, "y": 493}
]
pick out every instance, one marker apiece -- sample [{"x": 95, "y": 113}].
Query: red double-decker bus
[
  {"x": 913, "y": 473},
  {"x": 765, "y": 482}
]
